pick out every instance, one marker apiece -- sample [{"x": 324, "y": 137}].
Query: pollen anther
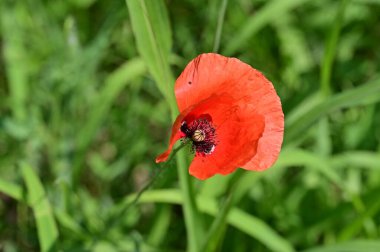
[
  {"x": 198, "y": 136},
  {"x": 202, "y": 134}
]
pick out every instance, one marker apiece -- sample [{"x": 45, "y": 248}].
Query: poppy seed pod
[{"x": 230, "y": 112}]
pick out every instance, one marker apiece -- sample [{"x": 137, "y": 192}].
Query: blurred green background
[{"x": 83, "y": 115}]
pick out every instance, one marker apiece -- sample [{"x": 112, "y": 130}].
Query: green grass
[{"x": 87, "y": 102}]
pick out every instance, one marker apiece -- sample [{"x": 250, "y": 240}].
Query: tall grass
[{"x": 87, "y": 102}]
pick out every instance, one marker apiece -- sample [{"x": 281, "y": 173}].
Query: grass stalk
[
  {"x": 219, "y": 225},
  {"x": 193, "y": 222},
  {"x": 330, "y": 51},
  {"x": 152, "y": 31},
  {"x": 219, "y": 28}
]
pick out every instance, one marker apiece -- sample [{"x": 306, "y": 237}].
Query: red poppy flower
[{"x": 231, "y": 114}]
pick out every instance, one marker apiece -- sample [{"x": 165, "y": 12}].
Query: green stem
[
  {"x": 330, "y": 50},
  {"x": 219, "y": 27},
  {"x": 323, "y": 139},
  {"x": 217, "y": 231},
  {"x": 191, "y": 213}
]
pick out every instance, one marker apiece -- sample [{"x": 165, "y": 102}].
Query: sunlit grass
[{"x": 86, "y": 104}]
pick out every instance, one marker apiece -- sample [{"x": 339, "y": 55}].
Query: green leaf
[
  {"x": 298, "y": 157},
  {"x": 363, "y": 95},
  {"x": 258, "y": 229},
  {"x": 367, "y": 1},
  {"x": 15, "y": 58},
  {"x": 352, "y": 246},
  {"x": 150, "y": 24},
  {"x": 218, "y": 227},
  {"x": 70, "y": 224},
  {"x": 261, "y": 18},
  {"x": 330, "y": 49},
  {"x": 359, "y": 159},
  {"x": 46, "y": 226},
  {"x": 237, "y": 218},
  {"x": 214, "y": 186},
  {"x": 354, "y": 227},
  {"x": 11, "y": 189},
  {"x": 160, "y": 227},
  {"x": 113, "y": 85}
]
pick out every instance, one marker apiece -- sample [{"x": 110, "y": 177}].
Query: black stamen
[{"x": 204, "y": 145}]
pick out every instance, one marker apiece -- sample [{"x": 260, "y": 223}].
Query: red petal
[
  {"x": 237, "y": 138},
  {"x": 213, "y": 74},
  {"x": 237, "y": 132},
  {"x": 194, "y": 112},
  {"x": 269, "y": 145},
  {"x": 175, "y": 136}
]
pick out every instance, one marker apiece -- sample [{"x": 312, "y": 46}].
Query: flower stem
[{"x": 192, "y": 216}]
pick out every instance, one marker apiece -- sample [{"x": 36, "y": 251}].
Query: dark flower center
[
  {"x": 202, "y": 134},
  {"x": 198, "y": 136}
]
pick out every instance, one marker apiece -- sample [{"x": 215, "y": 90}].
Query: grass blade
[
  {"x": 218, "y": 227},
  {"x": 259, "y": 230},
  {"x": 219, "y": 27},
  {"x": 323, "y": 139},
  {"x": 352, "y": 246},
  {"x": 160, "y": 228},
  {"x": 46, "y": 226},
  {"x": 15, "y": 58},
  {"x": 330, "y": 50},
  {"x": 237, "y": 218},
  {"x": 359, "y": 159},
  {"x": 363, "y": 95},
  {"x": 152, "y": 31},
  {"x": 354, "y": 227},
  {"x": 112, "y": 87},
  {"x": 299, "y": 157},
  {"x": 265, "y": 16},
  {"x": 150, "y": 24},
  {"x": 10, "y": 189}
]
